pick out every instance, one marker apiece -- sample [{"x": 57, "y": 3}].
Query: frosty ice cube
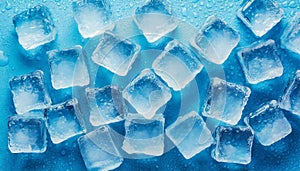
[
  {"x": 27, "y": 133},
  {"x": 29, "y": 92},
  {"x": 225, "y": 101},
  {"x": 291, "y": 98},
  {"x": 144, "y": 136},
  {"x": 68, "y": 68},
  {"x": 269, "y": 123},
  {"x": 260, "y": 62},
  {"x": 62, "y": 121},
  {"x": 190, "y": 134},
  {"x": 98, "y": 150},
  {"x": 233, "y": 144},
  {"x": 216, "y": 40},
  {"x": 115, "y": 54},
  {"x": 155, "y": 20},
  {"x": 106, "y": 105},
  {"x": 260, "y": 15},
  {"x": 290, "y": 38},
  {"x": 176, "y": 65},
  {"x": 34, "y": 27},
  {"x": 146, "y": 93},
  {"x": 93, "y": 17}
]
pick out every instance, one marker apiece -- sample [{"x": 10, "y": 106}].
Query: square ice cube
[
  {"x": 115, "y": 54},
  {"x": 291, "y": 99},
  {"x": 216, "y": 40},
  {"x": 29, "y": 92},
  {"x": 106, "y": 105},
  {"x": 144, "y": 136},
  {"x": 290, "y": 38},
  {"x": 62, "y": 121},
  {"x": 68, "y": 68},
  {"x": 260, "y": 62},
  {"x": 233, "y": 144},
  {"x": 93, "y": 17},
  {"x": 98, "y": 150},
  {"x": 155, "y": 20},
  {"x": 269, "y": 123},
  {"x": 260, "y": 15},
  {"x": 27, "y": 133},
  {"x": 190, "y": 134},
  {"x": 146, "y": 93},
  {"x": 176, "y": 65},
  {"x": 225, "y": 101},
  {"x": 34, "y": 27}
]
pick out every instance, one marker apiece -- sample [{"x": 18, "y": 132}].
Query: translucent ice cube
[
  {"x": 290, "y": 38},
  {"x": 98, "y": 150},
  {"x": 269, "y": 123},
  {"x": 225, "y": 101},
  {"x": 27, "y": 133},
  {"x": 29, "y": 92},
  {"x": 176, "y": 65},
  {"x": 260, "y": 15},
  {"x": 106, "y": 105},
  {"x": 93, "y": 17},
  {"x": 216, "y": 40},
  {"x": 291, "y": 99},
  {"x": 115, "y": 54},
  {"x": 190, "y": 134},
  {"x": 155, "y": 20},
  {"x": 144, "y": 136},
  {"x": 34, "y": 27},
  {"x": 146, "y": 93},
  {"x": 233, "y": 144},
  {"x": 67, "y": 68},
  {"x": 260, "y": 61},
  {"x": 62, "y": 121}
]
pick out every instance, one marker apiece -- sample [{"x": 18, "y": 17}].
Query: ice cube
[
  {"x": 62, "y": 121},
  {"x": 93, "y": 17},
  {"x": 155, "y": 20},
  {"x": 190, "y": 134},
  {"x": 291, "y": 98},
  {"x": 260, "y": 15},
  {"x": 269, "y": 123},
  {"x": 27, "y": 133},
  {"x": 98, "y": 150},
  {"x": 34, "y": 27},
  {"x": 176, "y": 65},
  {"x": 225, "y": 101},
  {"x": 144, "y": 136},
  {"x": 29, "y": 92},
  {"x": 106, "y": 105},
  {"x": 146, "y": 93},
  {"x": 216, "y": 40},
  {"x": 261, "y": 61},
  {"x": 68, "y": 68},
  {"x": 233, "y": 144},
  {"x": 290, "y": 38},
  {"x": 115, "y": 54}
]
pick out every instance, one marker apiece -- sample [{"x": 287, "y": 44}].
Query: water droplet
[
  {"x": 3, "y": 59},
  {"x": 63, "y": 152},
  {"x": 195, "y": 14},
  {"x": 292, "y": 4},
  {"x": 7, "y": 5},
  {"x": 194, "y": 1}
]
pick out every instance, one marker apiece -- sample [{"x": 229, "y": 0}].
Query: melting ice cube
[
  {"x": 290, "y": 38},
  {"x": 34, "y": 27},
  {"x": 176, "y": 65},
  {"x": 93, "y": 17},
  {"x": 29, "y": 92}
]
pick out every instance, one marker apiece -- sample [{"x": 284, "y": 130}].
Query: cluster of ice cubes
[{"x": 152, "y": 88}]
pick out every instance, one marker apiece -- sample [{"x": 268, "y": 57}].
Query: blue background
[{"x": 284, "y": 155}]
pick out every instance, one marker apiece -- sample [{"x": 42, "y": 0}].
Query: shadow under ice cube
[
  {"x": 233, "y": 144},
  {"x": 269, "y": 123},
  {"x": 34, "y": 27},
  {"x": 27, "y": 133},
  {"x": 29, "y": 92},
  {"x": 190, "y": 134}
]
